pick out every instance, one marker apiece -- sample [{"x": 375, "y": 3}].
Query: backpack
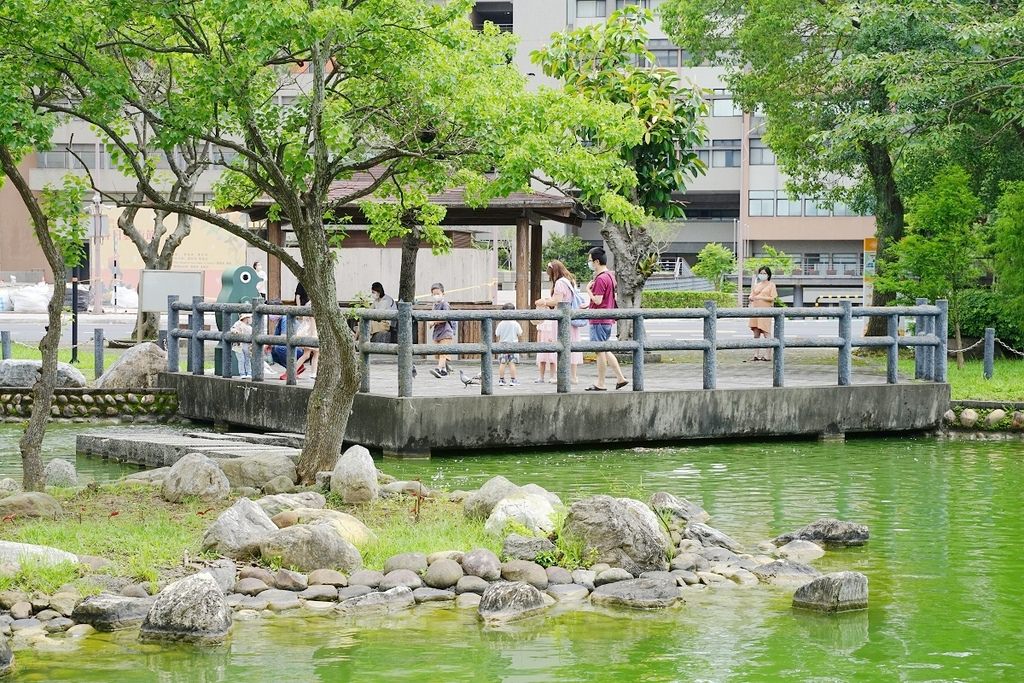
[{"x": 575, "y": 304}]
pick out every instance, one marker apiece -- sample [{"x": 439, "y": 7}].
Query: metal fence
[{"x": 929, "y": 340}]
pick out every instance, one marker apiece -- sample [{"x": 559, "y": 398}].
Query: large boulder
[
  {"x": 709, "y": 536},
  {"x": 6, "y": 657},
  {"x": 355, "y": 476},
  {"x": 508, "y": 601},
  {"x": 650, "y": 593},
  {"x": 238, "y": 531},
  {"x": 828, "y": 532},
  {"x": 311, "y": 546},
  {"x": 195, "y": 475},
  {"x": 526, "y": 572},
  {"x": 192, "y": 610},
  {"x": 30, "y": 504},
  {"x": 838, "y": 592},
  {"x": 61, "y": 473},
  {"x": 279, "y": 502},
  {"x": 25, "y": 373},
  {"x": 8, "y": 485},
  {"x": 623, "y": 532},
  {"x": 137, "y": 368},
  {"x": 480, "y": 503},
  {"x": 529, "y": 510},
  {"x": 256, "y": 470},
  {"x": 13, "y": 554},
  {"x": 112, "y": 612},
  {"x": 800, "y": 551},
  {"x": 351, "y": 529},
  {"x": 679, "y": 510}
]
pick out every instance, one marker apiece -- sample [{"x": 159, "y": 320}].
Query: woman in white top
[{"x": 562, "y": 290}]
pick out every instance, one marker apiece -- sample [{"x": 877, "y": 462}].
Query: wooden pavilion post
[
  {"x": 536, "y": 269},
  {"x": 522, "y": 263}
]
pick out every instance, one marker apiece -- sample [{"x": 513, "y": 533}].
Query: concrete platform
[
  {"x": 150, "y": 448},
  {"x": 444, "y": 415}
]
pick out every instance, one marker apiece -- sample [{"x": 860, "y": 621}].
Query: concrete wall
[
  {"x": 416, "y": 426},
  {"x": 82, "y": 404}
]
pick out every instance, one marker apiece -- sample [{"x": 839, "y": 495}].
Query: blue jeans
[
  {"x": 600, "y": 332},
  {"x": 244, "y": 360}
]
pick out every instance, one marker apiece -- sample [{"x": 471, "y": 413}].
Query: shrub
[
  {"x": 714, "y": 262},
  {"x": 656, "y": 299},
  {"x": 570, "y": 250},
  {"x": 983, "y": 308}
]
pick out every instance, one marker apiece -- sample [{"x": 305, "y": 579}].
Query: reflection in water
[{"x": 943, "y": 565}]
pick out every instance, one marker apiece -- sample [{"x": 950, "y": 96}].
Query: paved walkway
[{"x": 733, "y": 373}]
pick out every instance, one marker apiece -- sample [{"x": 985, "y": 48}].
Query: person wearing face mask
[
  {"x": 762, "y": 295},
  {"x": 443, "y": 332},
  {"x": 381, "y": 330}
]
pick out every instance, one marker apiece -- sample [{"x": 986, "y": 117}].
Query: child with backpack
[{"x": 563, "y": 290}]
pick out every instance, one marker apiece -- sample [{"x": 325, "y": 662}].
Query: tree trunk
[
  {"x": 959, "y": 348},
  {"x": 154, "y": 255},
  {"x": 629, "y": 246},
  {"x": 889, "y": 221},
  {"x": 31, "y": 443},
  {"x": 407, "y": 274},
  {"x": 338, "y": 374}
]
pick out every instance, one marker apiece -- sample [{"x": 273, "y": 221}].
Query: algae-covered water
[{"x": 945, "y": 565}]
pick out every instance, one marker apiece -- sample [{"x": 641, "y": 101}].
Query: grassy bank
[
  {"x": 1007, "y": 383},
  {"x": 86, "y": 357},
  {"x": 148, "y": 539}
]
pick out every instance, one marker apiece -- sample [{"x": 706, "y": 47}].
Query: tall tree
[
  {"x": 1009, "y": 261},
  {"x": 940, "y": 256},
  {"x": 817, "y": 72},
  {"x": 59, "y": 224},
  {"x": 402, "y": 89},
  {"x": 606, "y": 62}
]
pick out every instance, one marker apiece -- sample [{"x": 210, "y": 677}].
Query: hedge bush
[
  {"x": 658, "y": 299},
  {"x": 984, "y": 308}
]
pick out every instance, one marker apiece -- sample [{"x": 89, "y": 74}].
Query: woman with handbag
[
  {"x": 563, "y": 290},
  {"x": 380, "y": 330}
]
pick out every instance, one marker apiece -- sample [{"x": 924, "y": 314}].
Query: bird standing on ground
[{"x": 475, "y": 379}]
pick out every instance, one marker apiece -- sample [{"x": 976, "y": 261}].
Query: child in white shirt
[
  {"x": 243, "y": 351},
  {"x": 508, "y": 332}
]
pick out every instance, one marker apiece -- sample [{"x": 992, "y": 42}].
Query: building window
[
  {"x": 55, "y": 158},
  {"x": 665, "y": 53},
  {"x": 786, "y": 205},
  {"x": 760, "y": 154},
  {"x": 845, "y": 264},
  {"x": 704, "y": 155},
  {"x": 83, "y": 156},
  {"x": 725, "y": 153},
  {"x": 815, "y": 264},
  {"x": 619, "y": 4},
  {"x": 722, "y": 103},
  {"x": 815, "y": 207},
  {"x": 841, "y": 209},
  {"x": 587, "y": 9},
  {"x": 762, "y": 203}
]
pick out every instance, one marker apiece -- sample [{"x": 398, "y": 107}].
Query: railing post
[
  {"x": 919, "y": 351},
  {"x": 779, "y": 364},
  {"x": 5, "y": 344},
  {"x": 990, "y": 352},
  {"x": 564, "y": 367},
  {"x": 404, "y": 349},
  {"x": 927, "y": 352},
  {"x": 259, "y": 326},
  {"x": 942, "y": 325},
  {"x": 227, "y": 359},
  {"x": 846, "y": 349},
  {"x": 711, "y": 352},
  {"x": 195, "y": 347},
  {"x": 289, "y": 332},
  {"x": 487, "y": 357},
  {"x": 892, "y": 358},
  {"x": 640, "y": 337},
  {"x": 364, "y": 338},
  {"x": 97, "y": 341}
]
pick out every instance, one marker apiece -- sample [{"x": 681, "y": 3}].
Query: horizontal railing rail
[{"x": 929, "y": 340}]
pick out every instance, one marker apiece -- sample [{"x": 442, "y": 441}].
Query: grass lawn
[
  {"x": 1007, "y": 383},
  {"x": 148, "y": 538},
  {"x": 86, "y": 356}
]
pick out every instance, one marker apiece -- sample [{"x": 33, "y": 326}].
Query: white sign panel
[{"x": 156, "y": 285}]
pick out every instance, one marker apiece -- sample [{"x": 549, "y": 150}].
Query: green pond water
[{"x": 945, "y": 565}]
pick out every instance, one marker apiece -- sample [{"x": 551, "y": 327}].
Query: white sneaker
[
  {"x": 514, "y": 383},
  {"x": 501, "y": 382}
]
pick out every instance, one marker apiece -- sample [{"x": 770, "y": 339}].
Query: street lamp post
[{"x": 95, "y": 265}]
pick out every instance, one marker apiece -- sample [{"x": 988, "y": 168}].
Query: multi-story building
[{"x": 742, "y": 201}]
